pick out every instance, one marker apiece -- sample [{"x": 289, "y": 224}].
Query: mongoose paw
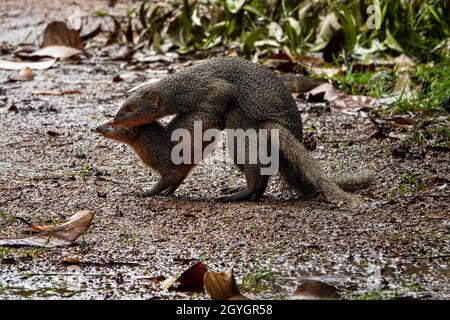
[
  {"x": 232, "y": 189},
  {"x": 243, "y": 195},
  {"x": 151, "y": 193},
  {"x": 167, "y": 192},
  {"x": 223, "y": 199},
  {"x": 146, "y": 194}
]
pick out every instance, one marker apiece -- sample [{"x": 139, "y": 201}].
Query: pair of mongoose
[{"x": 230, "y": 93}]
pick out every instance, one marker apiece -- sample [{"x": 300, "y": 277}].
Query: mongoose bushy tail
[{"x": 302, "y": 172}]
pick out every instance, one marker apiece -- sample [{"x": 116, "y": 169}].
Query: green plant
[
  {"x": 412, "y": 181},
  {"x": 415, "y": 287},
  {"x": 374, "y": 294},
  {"x": 415, "y": 27},
  {"x": 258, "y": 274},
  {"x": 33, "y": 252},
  {"x": 127, "y": 237},
  {"x": 3, "y": 252},
  {"x": 374, "y": 84},
  {"x": 8, "y": 218}
]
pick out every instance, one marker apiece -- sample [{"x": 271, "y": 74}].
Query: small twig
[
  {"x": 445, "y": 256},
  {"x": 24, "y": 221},
  {"x": 11, "y": 199}
]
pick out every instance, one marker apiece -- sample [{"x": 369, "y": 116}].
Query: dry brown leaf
[
  {"x": 25, "y": 74},
  {"x": 327, "y": 72},
  {"x": 339, "y": 100},
  {"x": 58, "y": 34},
  {"x": 13, "y": 65},
  {"x": 60, "y": 234},
  {"x": 361, "y": 67},
  {"x": 190, "y": 280},
  {"x": 222, "y": 286},
  {"x": 315, "y": 290}
]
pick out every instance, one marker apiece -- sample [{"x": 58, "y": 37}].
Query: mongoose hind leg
[{"x": 256, "y": 185}]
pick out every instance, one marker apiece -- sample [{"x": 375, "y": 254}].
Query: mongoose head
[
  {"x": 140, "y": 108},
  {"x": 125, "y": 135}
]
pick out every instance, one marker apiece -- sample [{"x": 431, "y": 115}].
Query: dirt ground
[{"x": 52, "y": 165}]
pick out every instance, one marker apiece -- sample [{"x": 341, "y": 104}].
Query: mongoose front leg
[
  {"x": 158, "y": 188},
  {"x": 167, "y": 185}
]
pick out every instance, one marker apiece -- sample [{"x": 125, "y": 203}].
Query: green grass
[
  {"x": 3, "y": 252},
  {"x": 127, "y": 237},
  {"x": 374, "y": 294},
  {"x": 6, "y": 217},
  {"x": 374, "y": 84},
  {"x": 433, "y": 82},
  {"x": 258, "y": 274},
  {"x": 409, "y": 184},
  {"x": 33, "y": 252}
]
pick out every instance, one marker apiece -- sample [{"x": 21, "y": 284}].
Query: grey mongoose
[{"x": 229, "y": 93}]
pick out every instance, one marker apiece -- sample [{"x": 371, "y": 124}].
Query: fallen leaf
[
  {"x": 58, "y": 34},
  {"x": 190, "y": 280},
  {"x": 25, "y": 74},
  {"x": 57, "y": 51},
  {"x": 222, "y": 286},
  {"x": 361, "y": 68},
  {"x": 63, "y": 233},
  {"x": 13, "y": 65},
  {"x": 340, "y": 101},
  {"x": 315, "y": 290},
  {"x": 53, "y": 133},
  {"x": 13, "y": 108},
  {"x": 117, "y": 78},
  {"x": 327, "y": 72}
]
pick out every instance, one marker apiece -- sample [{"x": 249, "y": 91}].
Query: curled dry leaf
[
  {"x": 315, "y": 290},
  {"x": 57, "y": 33},
  {"x": 25, "y": 74},
  {"x": 190, "y": 280},
  {"x": 13, "y": 65},
  {"x": 60, "y": 234},
  {"x": 222, "y": 286},
  {"x": 57, "y": 51},
  {"x": 340, "y": 101}
]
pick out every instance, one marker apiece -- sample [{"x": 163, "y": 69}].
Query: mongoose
[
  {"x": 244, "y": 95},
  {"x": 152, "y": 143}
]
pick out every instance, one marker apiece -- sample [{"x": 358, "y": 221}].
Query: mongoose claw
[
  {"x": 145, "y": 194},
  {"x": 232, "y": 189}
]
